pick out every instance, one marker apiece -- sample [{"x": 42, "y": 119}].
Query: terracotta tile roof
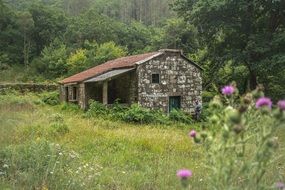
[{"x": 122, "y": 62}]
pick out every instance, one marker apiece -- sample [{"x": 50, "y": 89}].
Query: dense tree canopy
[
  {"x": 241, "y": 41},
  {"x": 246, "y": 36}
]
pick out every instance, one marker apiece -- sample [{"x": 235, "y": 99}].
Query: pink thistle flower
[
  {"x": 281, "y": 105},
  {"x": 228, "y": 90},
  {"x": 184, "y": 174},
  {"x": 192, "y": 133},
  {"x": 263, "y": 102},
  {"x": 280, "y": 185}
]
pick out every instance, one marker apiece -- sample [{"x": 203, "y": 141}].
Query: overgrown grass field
[{"x": 58, "y": 147}]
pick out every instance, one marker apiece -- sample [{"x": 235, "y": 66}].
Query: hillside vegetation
[{"x": 243, "y": 41}]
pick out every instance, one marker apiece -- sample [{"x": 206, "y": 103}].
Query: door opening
[{"x": 174, "y": 103}]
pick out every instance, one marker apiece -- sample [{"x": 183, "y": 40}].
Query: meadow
[{"x": 59, "y": 147}]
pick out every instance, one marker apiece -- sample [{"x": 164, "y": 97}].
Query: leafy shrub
[
  {"x": 58, "y": 125},
  {"x": 117, "y": 110},
  {"x": 70, "y": 107},
  {"x": 50, "y": 98},
  {"x": 138, "y": 114},
  {"x": 96, "y": 108},
  {"x": 179, "y": 116},
  {"x": 60, "y": 128}
]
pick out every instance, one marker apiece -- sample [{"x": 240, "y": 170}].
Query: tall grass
[{"x": 57, "y": 147}]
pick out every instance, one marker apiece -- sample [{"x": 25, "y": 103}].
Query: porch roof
[{"x": 109, "y": 74}]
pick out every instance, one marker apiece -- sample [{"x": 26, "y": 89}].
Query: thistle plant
[{"x": 240, "y": 139}]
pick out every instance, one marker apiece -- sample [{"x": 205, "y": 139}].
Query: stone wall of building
[{"x": 178, "y": 77}]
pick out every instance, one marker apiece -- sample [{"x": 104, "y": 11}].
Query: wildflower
[
  {"x": 263, "y": 102},
  {"x": 281, "y": 105},
  {"x": 184, "y": 174},
  {"x": 228, "y": 90},
  {"x": 5, "y": 166},
  {"x": 193, "y": 133},
  {"x": 280, "y": 185},
  {"x": 60, "y": 153}
]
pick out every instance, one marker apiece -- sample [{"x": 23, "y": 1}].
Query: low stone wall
[{"x": 27, "y": 87}]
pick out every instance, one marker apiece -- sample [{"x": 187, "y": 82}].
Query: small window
[
  {"x": 74, "y": 93},
  {"x": 155, "y": 78}
]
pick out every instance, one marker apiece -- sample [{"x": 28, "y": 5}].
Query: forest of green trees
[{"x": 242, "y": 41}]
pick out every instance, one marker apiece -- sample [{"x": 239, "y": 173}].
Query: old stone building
[{"x": 158, "y": 80}]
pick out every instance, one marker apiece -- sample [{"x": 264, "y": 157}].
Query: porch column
[
  {"x": 105, "y": 92},
  {"x": 82, "y": 96}
]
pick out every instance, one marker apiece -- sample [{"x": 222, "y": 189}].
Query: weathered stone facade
[{"x": 178, "y": 77}]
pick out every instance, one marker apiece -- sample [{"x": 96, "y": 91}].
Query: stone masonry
[{"x": 178, "y": 77}]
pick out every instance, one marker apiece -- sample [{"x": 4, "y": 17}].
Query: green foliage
[
  {"x": 96, "y": 108},
  {"x": 77, "y": 61},
  {"x": 244, "y": 45},
  {"x": 240, "y": 141},
  {"x": 39, "y": 165},
  {"x": 52, "y": 62},
  {"x": 179, "y": 116},
  {"x": 103, "y": 153},
  {"x": 60, "y": 128},
  {"x": 108, "y": 51},
  {"x": 178, "y": 34},
  {"x": 136, "y": 114},
  {"x": 50, "y": 98},
  {"x": 73, "y": 108}
]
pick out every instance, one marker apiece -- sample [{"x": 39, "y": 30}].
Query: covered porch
[{"x": 116, "y": 85}]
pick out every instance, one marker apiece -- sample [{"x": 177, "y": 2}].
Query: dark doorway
[{"x": 174, "y": 102}]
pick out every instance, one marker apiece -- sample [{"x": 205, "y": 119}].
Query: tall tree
[
  {"x": 26, "y": 26},
  {"x": 48, "y": 24},
  {"x": 248, "y": 33}
]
